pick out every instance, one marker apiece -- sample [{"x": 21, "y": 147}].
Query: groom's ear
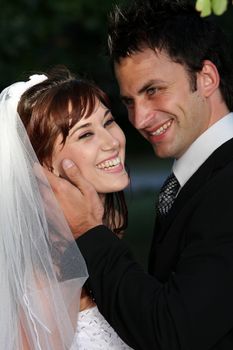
[{"x": 208, "y": 78}]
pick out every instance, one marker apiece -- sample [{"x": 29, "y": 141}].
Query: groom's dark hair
[{"x": 175, "y": 27}]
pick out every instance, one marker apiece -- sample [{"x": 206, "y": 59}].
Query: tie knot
[{"x": 168, "y": 194}]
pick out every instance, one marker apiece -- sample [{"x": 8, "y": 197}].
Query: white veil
[{"x": 41, "y": 269}]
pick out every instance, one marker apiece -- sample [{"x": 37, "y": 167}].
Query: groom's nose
[{"x": 140, "y": 115}]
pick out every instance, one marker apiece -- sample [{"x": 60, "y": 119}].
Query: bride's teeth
[{"x": 109, "y": 163}]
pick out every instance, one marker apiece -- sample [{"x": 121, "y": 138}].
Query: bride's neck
[
  {"x": 86, "y": 301},
  {"x": 102, "y": 197}
]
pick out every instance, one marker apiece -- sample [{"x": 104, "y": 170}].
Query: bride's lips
[{"x": 112, "y": 164}]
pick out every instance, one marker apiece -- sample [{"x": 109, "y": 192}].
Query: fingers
[
  {"x": 52, "y": 179},
  {"x": 72, "y": 191},
  {"x": 52, "y": 202},
  {"x": 44, "y": 187},
  {"x": 71, "y": 171},
  {"x": 75, "y": 177},
  {"x": 57, "y": 184}
]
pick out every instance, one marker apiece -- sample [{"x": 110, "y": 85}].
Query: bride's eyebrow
[
  {"x": 80, "y": 127},
  {"x": 107, "y": 112},
  {"x": 86, "y": 125}
]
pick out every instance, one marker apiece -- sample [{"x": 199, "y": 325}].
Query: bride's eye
[
  {"x": 85, "y": 135},
  {"x": 109, "y": 121}
]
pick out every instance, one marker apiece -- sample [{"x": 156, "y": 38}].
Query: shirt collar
[{"x": 219, "y": 133}]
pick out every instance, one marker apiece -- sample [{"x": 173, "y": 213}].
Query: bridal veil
[{"x": 41, "y": 269}]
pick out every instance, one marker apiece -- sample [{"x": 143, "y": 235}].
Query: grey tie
[{"x": 168, "y": 194}]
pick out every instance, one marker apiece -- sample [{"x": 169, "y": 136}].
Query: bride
[{"x": 67, "y": 117}]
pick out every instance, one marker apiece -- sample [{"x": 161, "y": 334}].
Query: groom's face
[{"x": 161, "y": 104}]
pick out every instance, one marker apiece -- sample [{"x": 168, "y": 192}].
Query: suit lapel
[{"x": 218, "y": 159}]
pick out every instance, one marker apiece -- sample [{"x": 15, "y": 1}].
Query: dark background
[{"x": 38, "y": 34}]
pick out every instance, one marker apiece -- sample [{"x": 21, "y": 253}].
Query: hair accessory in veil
[{"x": 40, "y": 276}]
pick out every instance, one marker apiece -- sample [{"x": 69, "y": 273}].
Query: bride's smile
[{"x": 97, "y": 145}]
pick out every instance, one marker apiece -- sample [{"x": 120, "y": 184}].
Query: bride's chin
[{"x": 120, "y": 183}]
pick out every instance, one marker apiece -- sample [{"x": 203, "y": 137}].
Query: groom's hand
[{"x": 78, "y": 199}]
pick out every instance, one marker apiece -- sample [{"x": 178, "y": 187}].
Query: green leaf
[
  {"x": 219, "y": 6},
  {"x": 204, "y": 6}
]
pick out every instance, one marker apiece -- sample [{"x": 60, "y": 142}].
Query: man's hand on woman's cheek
[{"x": 78, "y": 199}]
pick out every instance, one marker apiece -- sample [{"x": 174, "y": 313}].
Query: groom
[{"x": 176, "y": 81}]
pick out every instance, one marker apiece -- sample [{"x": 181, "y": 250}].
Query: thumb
[{"x": 74, "y": 175}]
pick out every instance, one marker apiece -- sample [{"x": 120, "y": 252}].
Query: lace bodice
[{"x": 94, "y": 333}]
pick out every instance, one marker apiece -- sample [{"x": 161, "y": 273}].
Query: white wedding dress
[{"x": 94, "y": 333}]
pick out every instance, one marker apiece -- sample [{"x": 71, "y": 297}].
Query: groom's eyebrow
[
  {"x": 149, "y": 84},
  {"x": 143, "y": 88}
]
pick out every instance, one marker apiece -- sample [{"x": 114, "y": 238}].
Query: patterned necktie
[{"x": 168, "y": 194}]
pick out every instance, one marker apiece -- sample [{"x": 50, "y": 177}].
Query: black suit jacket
[{"x": 186, "y": 302}]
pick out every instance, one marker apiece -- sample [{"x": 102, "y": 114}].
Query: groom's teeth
[
  {"x": 109, "y": 163},
  {"x": 162, "y": 129}
]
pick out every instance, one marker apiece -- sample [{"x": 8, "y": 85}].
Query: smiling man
[
  {"x": 162, "y": 105},
  {"x": 175, "y": 78}
]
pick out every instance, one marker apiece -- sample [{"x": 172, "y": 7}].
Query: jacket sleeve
[
  {"x": 127, "y": 296},
  {"x": 193, "y": 309}
]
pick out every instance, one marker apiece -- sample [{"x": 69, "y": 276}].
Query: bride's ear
[
  {"x": 51, "y": 168},
  {"x": 55, "y": 171}
]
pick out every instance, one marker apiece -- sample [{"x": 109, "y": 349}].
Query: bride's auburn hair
[{"x": 44, "y": 111}]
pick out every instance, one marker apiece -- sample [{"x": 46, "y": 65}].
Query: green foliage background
[
  {"x": 206, "y": 7},
  {"x": 36, "y": 34}
]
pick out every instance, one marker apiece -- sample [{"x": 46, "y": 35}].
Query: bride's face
[{"x": 97, "y": 145}]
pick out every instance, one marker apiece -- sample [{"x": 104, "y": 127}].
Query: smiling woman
[
  {"x": 70, "y": 118},
  {"x": 97, "y": 144}
]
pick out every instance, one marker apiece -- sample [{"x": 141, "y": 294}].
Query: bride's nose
[{"x": 108, "y": 141}]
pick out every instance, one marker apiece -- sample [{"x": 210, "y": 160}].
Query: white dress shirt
[{"x": 202, "y": 148}]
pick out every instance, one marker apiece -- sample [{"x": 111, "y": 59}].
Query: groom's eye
[
  {"x": 151, "y": 91},
  {"x": 128, "y": 102}
]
